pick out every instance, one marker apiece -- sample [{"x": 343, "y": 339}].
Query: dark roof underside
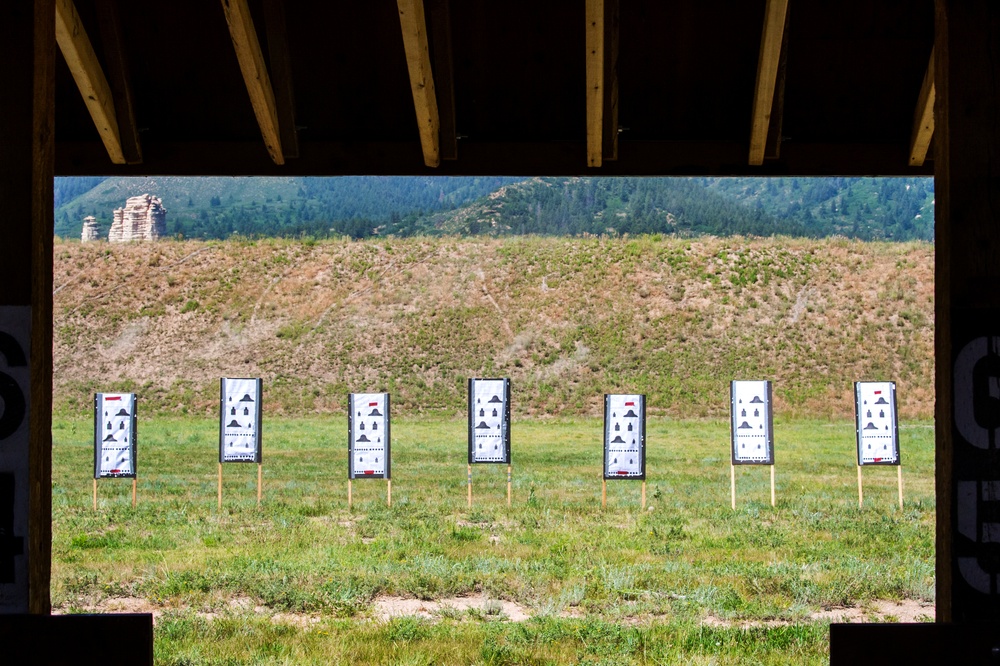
[{"x": 686, "y": 77}]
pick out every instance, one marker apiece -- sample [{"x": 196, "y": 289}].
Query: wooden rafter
[
  {"x": 93, "y": 85},
  {"x": 118, "y": 79},
  {"x": 595, "y": 82},
  {"x": 772, "y": 148},
  {"x": 767, "y": 76},
  {"x": 923, "y": 118},
  {"x": 439, "y": 25},
  {"x": 610, "y": 120},
  {"x": 418, "y": 63},
  {"x": 281, "y": 69},
  {"x": 255, "y": 76}
]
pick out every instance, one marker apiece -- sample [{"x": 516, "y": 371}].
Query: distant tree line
[{"x": 897, "y": 209}]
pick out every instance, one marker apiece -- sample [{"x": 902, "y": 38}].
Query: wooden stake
[
  {"x": 95, "y": 494},
  {"x": 508, "y": 485},
  {"x": 604, "y": 493},
  {"x": 899, "y": 477},
  {"x": 350, "y": 498},
  {"x": 220, "y": 486},
  {"x": 772, "y": 485},
  {"x": 470, "y": 486},
  {"x": 135, "y": 482},
  {"x": 732, "y": 484},
  {"x": 388, "y": 492},
  {"x": 644, "y": 495},
  {"x": 861, "y": 497},
  {"x": 260, "y": 480}
]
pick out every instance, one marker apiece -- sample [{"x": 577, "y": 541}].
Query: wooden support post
[
  {"x": 967, "y": 307},
  {"x": 643, "y": 495},
  {"x": 732, "y": 485},
  {"x": 350, "y": 496},
  {"x": 508, "y": 485},
  {"x": 469, "y": 484},
  {"x": 604, "y": 493},
  {"x": 260, "y": 480},
  {"x": 135, "y": 482},
  {"x": 899, "y": 479},
  {"x": 220, "y": 486},
  {"x": 27, "y": 131},
  {"x": 772, "y": 485},
  {"x": 860, "y": 496},
  {"x": 388, "y": 492},
  {"x": 95, "y": 494}
]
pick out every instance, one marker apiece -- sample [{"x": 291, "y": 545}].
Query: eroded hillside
[{"x": 569, "y": 319}]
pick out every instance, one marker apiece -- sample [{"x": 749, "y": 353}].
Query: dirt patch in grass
[
  {"x": 907, "y": 610},
  {"x": 387, "y": 608},
  {"x": 234, "y": 606}
]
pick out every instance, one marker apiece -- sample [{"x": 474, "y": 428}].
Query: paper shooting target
[
  {"x": 368, "y": 442},
  {"x": 751, "y": 423},
  {"x": 877, "y": 427},
  {"x": 489, "y": 421},
  {"x": 114, "y": 435},
  {"x": 624, "y": 436},
  {"x": 239, "y": 420}
]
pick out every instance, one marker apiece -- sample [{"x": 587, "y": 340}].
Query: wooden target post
[
  {"x": 624, "y": 442},
  {"x": 468, "y": 482},
  {"x": 369, "y": 447},
  {"x": 350, "y": 493},
  {"x": 877, "y": 422},
  {"x": 751, "y": 430},
  {"x": 899, "y": 487},
  {"x": 240, "y": 412},
  {"x": 489, "y": 429},
  {"x": 115, "y": 439},
  {"x": 772, "y": 485}
]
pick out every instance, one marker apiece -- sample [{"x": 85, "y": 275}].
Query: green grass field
[{"x": 303, "y": 580}]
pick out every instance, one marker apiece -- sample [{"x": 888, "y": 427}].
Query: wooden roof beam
[
  {"x": 768, "y": 63},
  {"x": 595, "y": 82},
  {"x": 923, "y": 118},
  {"x": 439, "y": 25},
  {"x": 79, "y": 54},
  {"x": 610, "y": 120},
  {"x": 281, "y": 67},
  {"x": 418, "y": 63},
  {"x": 118, "y": 79},
  {"x": 255, "y": 76}
]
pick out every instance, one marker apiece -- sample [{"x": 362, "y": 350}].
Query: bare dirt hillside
[{"x": 568, "y": 319}]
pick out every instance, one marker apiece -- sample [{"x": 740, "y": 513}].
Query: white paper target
[
  {"x": 624, "y": 436},
  {"x": 369, "y": 436},
  {"x": 878, "y": 431},
  {"x": 751, "y": 423},
  {"x": 489, "y": 421},
  {"x": 114, "y": 435},
  {"x": 240, "y": 420}
]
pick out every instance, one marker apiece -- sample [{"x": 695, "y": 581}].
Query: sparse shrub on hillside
[{"x": 567, "y": 319}]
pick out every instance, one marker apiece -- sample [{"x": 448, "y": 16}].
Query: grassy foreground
[{"x": 298, "y": 580}]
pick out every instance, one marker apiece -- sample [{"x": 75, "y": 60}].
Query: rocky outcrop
[
  {"x": 89, "y": 229},
  {"x": 142, "y": 218}
]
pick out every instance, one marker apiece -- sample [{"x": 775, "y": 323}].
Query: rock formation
[
  {"x": 89, "y": 229},
  {"x": 142, "y": 218}
]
